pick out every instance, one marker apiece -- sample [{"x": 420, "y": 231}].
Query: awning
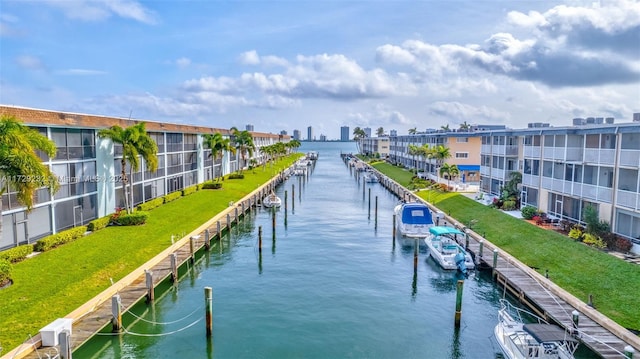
[{"x": 468, "y": 167}]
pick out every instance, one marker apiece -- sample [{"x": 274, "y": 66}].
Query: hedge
[
  {"x": 55, "y": 240},
  {"x": 99, "y": 223},
  {"x": 172, "y": 196},
  {"x": 189, "y": 190},
  {"x": 236, "y": 176},
  {"x": 5, "y": 271},
  {"x": 212, "y": 185},
  {"x": 133, "y": 219},
  {"x": 16, "y": 254},
  {"x": 151, "y": 204}
]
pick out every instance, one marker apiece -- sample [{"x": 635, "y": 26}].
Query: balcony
[
  {"x": 531, "y": 151},
  {"x": 630, "y": 158},
  {"x": 628, "y": 199},
  {"x": 530, "y": 180},
  {"x": 485, "y": 149},
  {"x": 599, "y": 156},
  {"x": 485, "y": 171}
]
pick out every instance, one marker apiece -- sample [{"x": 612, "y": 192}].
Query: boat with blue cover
[
  {"x": 446, "y": 251},
  {"x": 413, "y": 220}
]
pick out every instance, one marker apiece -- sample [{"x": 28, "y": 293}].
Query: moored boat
[
  {"x": 540, "y": 340},
  {"x": 272, "y": 201},
  {"x": 371, "y": 177},
  {"x": 446, "y": 251},
  {"x": 413, "y": 220}
]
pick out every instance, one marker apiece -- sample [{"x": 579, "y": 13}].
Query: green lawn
[
  {"x": 581, "y": 270},
  {"x": 54, "y": 283}
]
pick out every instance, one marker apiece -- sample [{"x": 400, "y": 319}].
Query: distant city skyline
[{"x": 392, "y": 64}]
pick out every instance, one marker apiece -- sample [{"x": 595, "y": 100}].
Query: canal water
[{"x": 331, "y": 285}]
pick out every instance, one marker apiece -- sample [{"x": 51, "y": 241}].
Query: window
[
  {"x": 462, "y": 154},
  {"x": 462, "y": 139}
]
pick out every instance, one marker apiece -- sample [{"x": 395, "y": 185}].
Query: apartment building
[
  {"x": 88, "y": 170},
  {"x": 375, "y": 145},
  {"x": 463, "y": 147},
  {"x": 565, "y": 169}
]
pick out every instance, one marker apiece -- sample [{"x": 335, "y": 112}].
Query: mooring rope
[
  {"x": 162, "y": 334},
  {"x": 166, "y": 323}
]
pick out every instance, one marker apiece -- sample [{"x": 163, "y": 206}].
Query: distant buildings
[
  {"x": 297, "y": 135},
  {"x": 393, "y": 133},
  {"x": 310, "y": 133},
  {"x": 344, "y": 133},
  {"x": 367, "y": 131},
  {"x": 249, "y": 128},
  {"x": 283, "y": 132},
  {"x": 323, "y": 138}
]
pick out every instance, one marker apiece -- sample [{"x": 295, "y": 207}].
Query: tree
[
  {"x": 414, "y": 151},
  {"x": 451, "y": 171},
  {"x": 445, "y": 128},
  {"x": 413, "y": 131},
  {"x": 380, "y": 131},
  {"x": 218, "y": 145},
  {"x": 294, "y": 144},
  {"x": 358, "y": 134},
  {"x": 20, "y": 167},
  {"x": 136, "y": 143},
  {"x": 465, "y": 127},
  {"x": 440, "y": 153},
  {"x": 510, "y": 189},
  {"x": 243, "y": 142}
]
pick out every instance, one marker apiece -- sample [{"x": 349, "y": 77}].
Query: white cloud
[
  {"x": 80, "y": 72},
  {"x": 98, "y": 10},
  {"x": 457, "y": 113},
  {"x": 250, "y": 58},
  {"x": 183, "y": 62},
  {"x": 30, "y": 62}
]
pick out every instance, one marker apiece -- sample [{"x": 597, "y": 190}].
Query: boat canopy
[
  {"x": 416, "y": 213},
  {"x": 442, "y": 230},
  {"x": 544, "y": 333}
]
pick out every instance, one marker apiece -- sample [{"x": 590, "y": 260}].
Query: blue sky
[{"x": 287, "y": 65}]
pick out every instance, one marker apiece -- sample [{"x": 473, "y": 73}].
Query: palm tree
[
  {"x": 445, "y": 128},
  {"x": 441, "y": 153},
  {"x": 465, "y": 127},
  {"x": 358, "y": 134},
  {"x": 244, "y": 143},
  {"x": 413, "y": 131},
  {"x": 21, "y": 168},
  {"x": 380, "y": 131},
  {"x": 294, "y": 144},
  {"x": 218, "y": 145},
  {"x": 414, "y": 150},
  {"x": 450, "y": 170},
  {"x": 136, "y": 143}
]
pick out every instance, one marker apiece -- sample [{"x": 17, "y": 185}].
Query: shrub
[
  {"x": 623, "y": 245},
  {"x": 172, "y": 196},
  {"x": 212, "y": 185},
  {"x": 133, "y": 219},
  {"x": 538, "y": 219},
  {"x": 575, "y": 233},
  {"x": 5, "y": 271},
  {"x": 528, "y": 212},
  {"x": 16, "y": 254},
  {"x": 99, "y": 223},
  {"x": 509, "y": 205},
  {"x": 189, "y": 190},
  {"x": 236, "y": 176},
  {"x": 594, "y": 241},
  {"x": 151, "y": 204},
  {"x": 54, "y": 240}
]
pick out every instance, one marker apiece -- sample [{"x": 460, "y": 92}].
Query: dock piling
[
  {"x": 394, "y": 228},
  {"x": 375, "y": 216},
  {"x": 458, "y": 315},
  {"x": 207, "y": 237},
  {"x": 260, "y": 239},
  {"x": 148, "y": 275},
  {"x": 575, "y": 318},
  {"x": 481, "y": 247},
  {"x": 629, "y": 351},
  {"x": 65, "y": 344},
  {"x": 218, "y": 230},
  {"x": 208, "y": 302},
  {"x": 173, "y": 258},
  {"x": 116, "y": 312}
]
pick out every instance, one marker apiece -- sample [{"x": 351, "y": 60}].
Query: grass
[
  {"x": 54, "y": 283},
  {"x": 577, "y": 268}
]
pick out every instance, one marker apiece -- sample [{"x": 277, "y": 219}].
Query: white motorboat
[
  {"x": 531, "y": 341},
  {"x": 413, "y": 220},
  {"x": 371, "y": 177},
  {"x": 446, "y": 251},
  {"x": 272, "y": 201}
]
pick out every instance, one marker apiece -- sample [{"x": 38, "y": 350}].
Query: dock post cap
[
  {"x": 197, "y": 236},
  {"x": 495, "y": 250}
]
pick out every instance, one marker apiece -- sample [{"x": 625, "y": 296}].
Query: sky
[{"x": 285, "y": 65}]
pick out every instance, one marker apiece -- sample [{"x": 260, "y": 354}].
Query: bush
[
  {"x": 528, "y": 212},
  {"x": 575, "y": 233},
  {"x": 623, "y": 245},
  {"x": 132, "y": 219},
  {"x": 55, "y": 240},
  {"x": 151, "y": 204},
  {"x": 594, "y": 241},
  {"x": 189, "y": 190},
  {"x": 172, "y": 196},
  {"x": 212, "y": 185},
  {"x": 16, "y": 254},
  {"x": 99, "y": 223},
  {"x": 5, "y": 271},
  {"x": 236, "y": 176},
  {"x": 509, "y": 205}
]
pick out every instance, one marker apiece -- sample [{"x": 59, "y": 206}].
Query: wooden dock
[
  {"x": 94, "y": 315},
  {"x": 540, "y": 294}
]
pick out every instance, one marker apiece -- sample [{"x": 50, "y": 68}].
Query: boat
[
  {"x": 413, "y": 219},
  {"x": 539, "y": 340},
  {"x": 370, "y": 177},
  {"x": 446, "y": 251},
  {"x": 272, "y": 201}
]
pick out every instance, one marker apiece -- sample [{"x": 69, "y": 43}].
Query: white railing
[
  {"x": 630, "y": 158},
  {"x": 530, "y": 180},
  {"x": 574, "y": 154},
  {"x": 531, "y": 151},
  {"x": 628, "y": 199},
  {"x": 485, "y": 171},
  {"x": 485, "y": 149},
  {"x": 590, "y": 191},
  {"x": 605, "y": 194},
  {"x": 547, "y": 183},
  {"x": 498, "y": 150},
  {"x": 600, "y": 156}
]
